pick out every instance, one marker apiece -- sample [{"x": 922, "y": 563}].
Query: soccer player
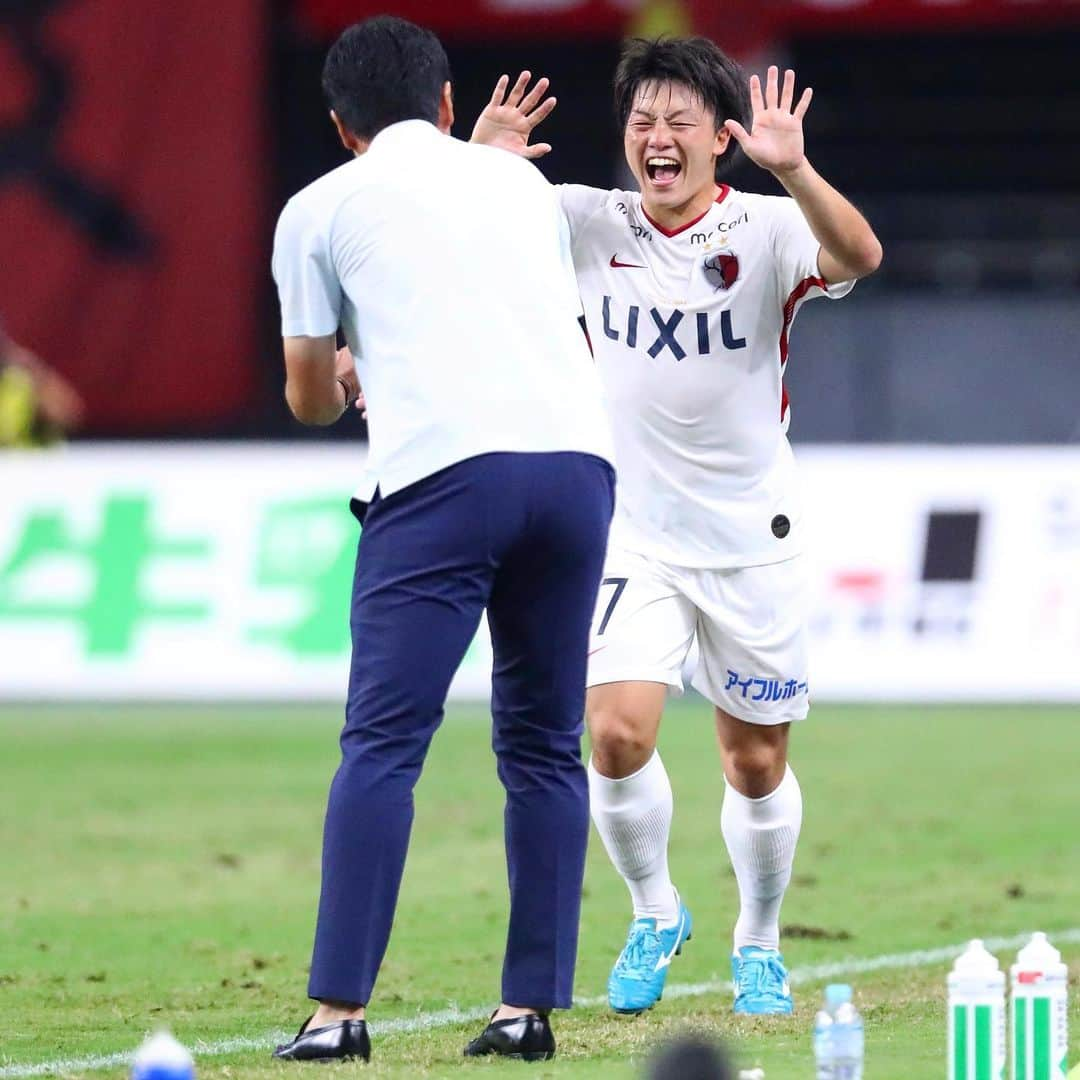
[
  {"x": 502, "y": 502},
  {"x": 689, "y": 289}
]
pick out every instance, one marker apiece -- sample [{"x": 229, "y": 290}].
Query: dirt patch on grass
[{"x": 801, "y": 932}]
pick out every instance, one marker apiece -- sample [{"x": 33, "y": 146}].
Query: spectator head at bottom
[{"x": 690, "y": 1057}]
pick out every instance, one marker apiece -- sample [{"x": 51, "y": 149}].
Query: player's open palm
[
  {"x": 775, "y": 141},
  {"x": 508, "y": 118}
]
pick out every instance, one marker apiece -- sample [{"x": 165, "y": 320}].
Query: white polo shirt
[{"x": 447, "y": 267}]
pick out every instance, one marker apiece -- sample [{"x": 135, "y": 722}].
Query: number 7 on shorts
[{"x": 620, "y": 584}]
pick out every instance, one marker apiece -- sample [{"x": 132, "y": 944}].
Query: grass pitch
[{"x": 161, "y": 868}]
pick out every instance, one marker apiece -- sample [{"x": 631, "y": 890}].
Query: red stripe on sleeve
[{"x": 790, "y": 304}]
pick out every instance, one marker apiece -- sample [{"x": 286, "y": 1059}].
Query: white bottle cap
[
  {"x": 163, "y": 1049},
  {"x": 1038, "y": 954},
  {"x": 976, "y": 959}
]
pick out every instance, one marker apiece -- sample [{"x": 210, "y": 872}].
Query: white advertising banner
[
  {"x": 944, "y": 574},
  {"x": 223, "y": 571},
  {"x": 187, "y": 571}
]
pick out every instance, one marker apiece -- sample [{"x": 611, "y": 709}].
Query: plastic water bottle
[
  {"x": 1040, "y": 1036},
  {"x": 161, "y": 1057},
  {"x": 976, "y": 1028},
  {"x": 838, "y": 1036}
]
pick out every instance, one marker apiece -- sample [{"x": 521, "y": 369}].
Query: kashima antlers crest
[{"x": 722, "y": 269}]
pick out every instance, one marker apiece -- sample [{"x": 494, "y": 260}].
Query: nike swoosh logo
[
  {"x": 624, "y": 266},
  {"x": 666, "y": 958}
]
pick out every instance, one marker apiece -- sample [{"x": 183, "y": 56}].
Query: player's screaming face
[{"x": 671, "y": 144}]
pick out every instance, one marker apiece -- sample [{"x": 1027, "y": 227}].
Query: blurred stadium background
[{"x": 190, "y": 540}]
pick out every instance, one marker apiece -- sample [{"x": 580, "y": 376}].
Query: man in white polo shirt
[{"x": 488, "y": 486}]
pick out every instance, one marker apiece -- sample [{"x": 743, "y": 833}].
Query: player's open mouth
[{"x": 663, "y": 171}]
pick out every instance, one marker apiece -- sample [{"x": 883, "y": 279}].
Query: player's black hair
[
  {"x": 690, "y": 1057},
  {"x": 696, "y": 63},
  {"x": 384, "y": 70}
]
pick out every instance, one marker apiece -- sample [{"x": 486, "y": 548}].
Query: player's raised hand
[
  {"x": 775, "y": 141},
  {"x": 509, "y": 117}
]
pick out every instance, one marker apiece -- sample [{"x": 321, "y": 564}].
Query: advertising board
[{"x": 222, "y": 571}]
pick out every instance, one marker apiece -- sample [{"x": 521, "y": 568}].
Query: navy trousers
[{"x": 522, "y": 535}]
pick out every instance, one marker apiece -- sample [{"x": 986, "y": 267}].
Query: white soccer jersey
[{"x": 690, "y": 334}]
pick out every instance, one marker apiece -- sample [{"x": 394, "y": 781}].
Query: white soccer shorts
[{"x": 749, "y": 624}]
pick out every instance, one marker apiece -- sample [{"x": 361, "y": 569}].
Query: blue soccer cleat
[
  {"x": 637, "y": 980},
  {"x": 761, "y": 982}
]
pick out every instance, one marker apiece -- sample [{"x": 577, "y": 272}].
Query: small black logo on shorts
[{"x": 780, "y": 526}]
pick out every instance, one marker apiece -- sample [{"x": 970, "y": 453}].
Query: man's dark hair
[
  {"x": 384, "y": 70},
  {"x": 696, "y": 63},
  {"x": 690, "y": 1057}
]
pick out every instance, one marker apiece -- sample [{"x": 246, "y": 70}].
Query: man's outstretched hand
[
  {"x": 775, "y": 139},
  {"x": 508, "y": 118}
]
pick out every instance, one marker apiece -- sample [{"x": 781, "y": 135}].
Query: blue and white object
[
  {"x": 760, "y": 981},
  {"x": 637, "y": 980},
  {"x": 838, "y": 1036},
  {"x": 161, "y": 1057}
]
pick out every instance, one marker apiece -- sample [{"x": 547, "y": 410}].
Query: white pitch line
[{"x": 454, "y": 1015}]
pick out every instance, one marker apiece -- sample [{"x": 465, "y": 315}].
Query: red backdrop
[
  {"x": 746, "y": 25},
  {"x": 480, "y": 18},
  {"x": 132, "y": 246},
  {"x": 727, "y": 19}
]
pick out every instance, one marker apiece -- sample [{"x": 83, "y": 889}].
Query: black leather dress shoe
[
  {"x": 342, "y": 1041},
  {"x": 526, "y": 1037}
]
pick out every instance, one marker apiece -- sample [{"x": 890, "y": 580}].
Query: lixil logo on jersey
[
  {"x": 661, "y": 330},
  {"x": 722, "y": 269}
]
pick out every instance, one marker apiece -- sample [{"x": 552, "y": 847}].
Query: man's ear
[
  {"x": 446, "y": 109},
  {"x": 723, "y": 137},
  {"x": 353, "y": 143}
]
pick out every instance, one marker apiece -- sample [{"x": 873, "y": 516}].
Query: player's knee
[
  {"x": 622, "y": 742},
  {"x": 757, "y": 766}
]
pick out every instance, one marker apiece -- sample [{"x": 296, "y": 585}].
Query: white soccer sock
[
  {"x": 633, "y": 818},
  {"x": 761, "y": 835}
]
